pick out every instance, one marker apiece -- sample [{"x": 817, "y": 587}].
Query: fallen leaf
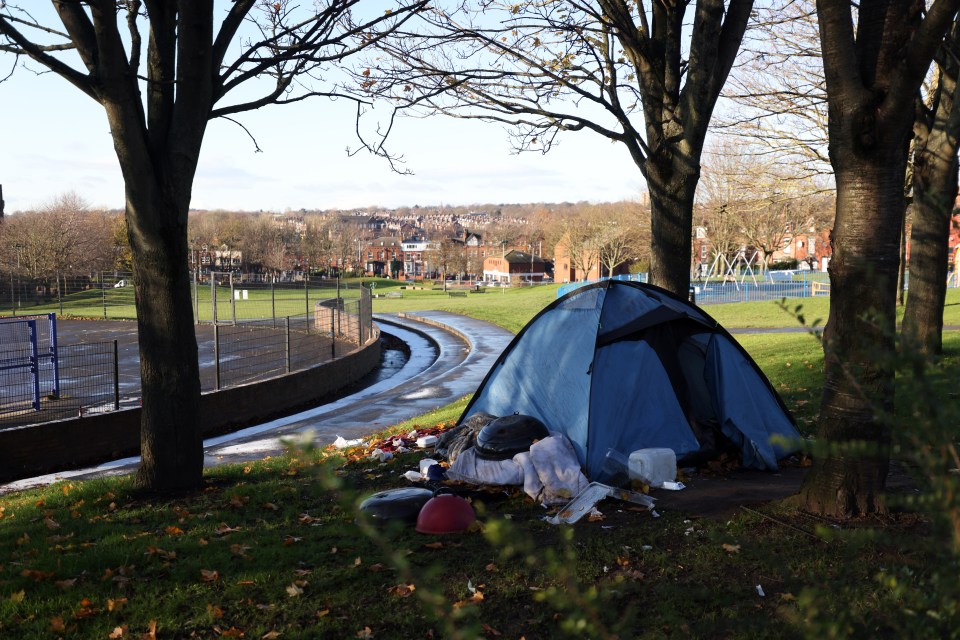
[
  {"x": 240, "y": 550},
  {"x": 57, "y": 625},
  {"x": 161, "y": 553},
  {"x": 357, "y": 561},
  {"x": 245, "y": 583},
  {"x": 86, "y": 610},
  {"x": 24, "y": 539},
  {"x": 116, "y": 605},
  {"x": 65, "y": 584},
  {"x": 151, "y": 633},
  {"x": 289, "y": 540},
  {"x": 306, "y": 518},
  {"x": 402, "y": 590},
  {"x": 272, "y": 507},
  {"x": 51, "y": 523},
  {"x": 376, "y": 568},
  {"x": 214, "y": 611},
  {"x": 174, "y": 531},
  {"x": 731, "y": 548},
  {"x": 118, "y": 632},
  {"x": 232, "y": 632},
  {"x": 18, "y": 596},
  {"x": 209, "y": 575},
  {"x": 239, "y": 502},
  {"x": 224, "y": 529},
  {"x": 492, "y": 568},
  {"x": 365, "y": 634},
  {"x": 270, "y": 635},
  {"x": 293, "y": 591},
  {"x": 488, "y": 630},
  {"x": 434, "y": 545}
]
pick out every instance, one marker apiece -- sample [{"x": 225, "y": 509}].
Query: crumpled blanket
[
  {"x": 558, "y": 469},
  {"x": 549, "y": 471},
  {"x": 469, "y": 467}
]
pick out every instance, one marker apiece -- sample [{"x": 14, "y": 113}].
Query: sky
[{"x": 56, "y": 140}]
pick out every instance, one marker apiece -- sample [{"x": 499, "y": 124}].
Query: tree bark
[
  {"x": 874, "y": 62},
  {"x": 859, "y": 341},
  {"x": 170, "y": 441},
  {"x": 935, "y": 176},
  {"x": 672, "y": 191}
]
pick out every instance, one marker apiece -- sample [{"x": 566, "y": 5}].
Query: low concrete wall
[{"x": 70, "y": 444}]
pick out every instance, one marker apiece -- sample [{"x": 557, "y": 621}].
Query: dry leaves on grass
[
  {"x": 224, "y": 529},
  {"x": 209, "y": 575},
  {"x": 402, "y": 590}
]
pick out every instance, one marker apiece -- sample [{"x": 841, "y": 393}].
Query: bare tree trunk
[
  {"x": 170, "y": 439},
  {"x": 934, "y": 193},
  {"x": 929, "y": 239},
  {"x": 874, "y": 62},
  {"x": 859, "y": 341},
  {"x": 672, "y": 190}
]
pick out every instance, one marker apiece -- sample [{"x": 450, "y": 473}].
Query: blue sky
[{"x": 56, "y": 140}]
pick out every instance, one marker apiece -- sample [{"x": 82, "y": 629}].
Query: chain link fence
[{"x": 217, "y": 297}]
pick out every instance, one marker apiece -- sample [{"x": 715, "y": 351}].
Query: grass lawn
[{"x": 273, "y": 549}]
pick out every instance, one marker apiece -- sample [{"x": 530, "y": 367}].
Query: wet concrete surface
[{"x": 449, "y": 356}]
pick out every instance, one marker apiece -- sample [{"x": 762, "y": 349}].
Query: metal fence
[
  {"x": 86, "y": 382},
  {"x": 249, "y": 350},
  {"x": 217, "y": 297},
  {"x": 239, "y": 351},
  {"x": 772, "y": 285}
]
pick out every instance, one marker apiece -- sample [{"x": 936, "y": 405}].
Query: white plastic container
[
  {"x": 653, "y": 466},
  {"x": 426, "y": 441}
]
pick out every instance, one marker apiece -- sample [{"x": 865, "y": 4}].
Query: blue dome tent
[{"x": 626, "y": 366}]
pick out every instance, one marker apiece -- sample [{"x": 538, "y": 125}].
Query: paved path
[{"x": 450, "y": 355}]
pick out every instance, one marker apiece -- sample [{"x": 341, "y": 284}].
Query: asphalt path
[{"x": 450, "y": 355}]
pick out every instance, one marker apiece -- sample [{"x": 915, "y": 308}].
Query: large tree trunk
[
  {"x": 170, "y": 441},
  {"x": 859, "y": 339},
  {"x": 934, "y": 194},
  {"x": 929, "y": 240},
  {"x": 672, "y": 191}
]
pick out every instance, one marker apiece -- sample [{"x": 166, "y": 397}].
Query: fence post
[
  {"x": 273, "y": 303},
  {"x": 116, "y": 377},
  {"x": 59, "y": 291},
  {"x": 196, "y": 295},
  {"x": 213, "y": 297},
  {"x": 306, "y": 296},
  {"x": 216, "y": 355},
  {"x": 233, "y": 301},
  {"x": 287, "y": 350},
  {"x": 13, "y": 301},
  {"x": 333, "y": 334}
]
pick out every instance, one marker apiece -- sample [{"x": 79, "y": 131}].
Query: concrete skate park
[{"x": 351, "y": 396}]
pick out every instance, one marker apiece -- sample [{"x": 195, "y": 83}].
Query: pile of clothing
[{"x": 513, "y": 450}]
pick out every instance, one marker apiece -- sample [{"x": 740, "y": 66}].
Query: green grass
[{"x": 273, "y": 549}]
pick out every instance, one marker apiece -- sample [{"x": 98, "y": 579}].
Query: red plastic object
[{"x": 445, "y": 514}]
